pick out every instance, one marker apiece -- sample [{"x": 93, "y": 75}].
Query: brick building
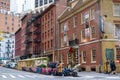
[
  {"x": 9, "y": 22},
  {"x": 18, "y": 44},
  {"x": 49, "y": 29},
  {"x": 31, "y": 37},
  {"x": 5, "y": 5},
  {"x": 86, "y": 36},
  {"x": 39, "y": 31}
]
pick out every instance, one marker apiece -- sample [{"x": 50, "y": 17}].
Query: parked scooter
[{"x": 71, "y": 72}]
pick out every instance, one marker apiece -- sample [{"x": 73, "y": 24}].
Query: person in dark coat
[{"x": 113, "y": 67}]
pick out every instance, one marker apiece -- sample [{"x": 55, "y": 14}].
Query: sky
[{"x": 16, "y": 5}]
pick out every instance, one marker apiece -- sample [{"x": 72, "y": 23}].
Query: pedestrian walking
[
  {"x": 113, "y": 67},
  {"x": 106, "y": 67},
  {"x": 60, "y": 68}
]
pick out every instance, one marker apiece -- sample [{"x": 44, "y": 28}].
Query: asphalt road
[{"x": 11, "y": 74}]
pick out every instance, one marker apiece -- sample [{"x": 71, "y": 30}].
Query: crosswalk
[
  {"x": 17, "y": 76},
  {"x": 46, "y": 77}
]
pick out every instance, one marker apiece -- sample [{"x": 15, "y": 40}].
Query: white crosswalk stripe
[
  {"x": 21, "y": 76},
  {"x": 30, "y": 76},
  {"x": 4, "y": 76},
  {"x": 12, "y": 76},
  {"x": 113, "y": 77}
]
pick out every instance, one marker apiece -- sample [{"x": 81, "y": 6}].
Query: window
[
  {"x": 52, "y": 32},
  {"x": 12, "y": 29},
  {"x": 116, "y": 9},
  {"x": 82, "y": 18},
  {"x": 48, "y": 44},
  {"x": 5, "y": 22},
  {"x": 50, "y": 1},
  {"x": 45, "y": 1},
  {"x": 48, "y": 33},
  {"x": 12, "y": 46},
  {"x": 74, "y": 36},
  {"x": 12, "y": 24},
  {"x": 68, "y": 25},
  {"x": 86, "y": 20},
  {"x": 92, "y": 32},
  {"x": 84, "y": 57},
  {"x": 93, "y": 56},
  {"x": 82, "y": 35},
  {"x": 92, "y": 14},
  {"x": 41, "y": 2},
  {"x": 62, "y": 27},
  {"x": 84, "y": 0},
  {"x": 13, "y": 19},
  {"x": 67, "y": 44},
  {"x": 62, "y": 43},
  {"x": 75, "y": 21},
  {"x": 117, "y": 30},
  {"x": 7, "y": 28},
  {"x": 36, "y": 3},
  {"x": 45, "y": 45},
  {"x": 6, "y": 18},
  {"x": 51, "y": 43},
  {"x": 118, "y": 53}
]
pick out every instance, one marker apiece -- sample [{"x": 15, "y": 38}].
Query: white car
[{"x": 13, "y": 65}]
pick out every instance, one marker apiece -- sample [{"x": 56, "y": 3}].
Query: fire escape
[
  {"x": 28, "y": 40},
  {"x": 37, "y": 38}
]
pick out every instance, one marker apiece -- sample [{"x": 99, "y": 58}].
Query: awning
[{"x": 4, "y": 58}]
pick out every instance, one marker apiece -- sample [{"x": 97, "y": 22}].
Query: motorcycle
[{"x": 71, "y": 72}]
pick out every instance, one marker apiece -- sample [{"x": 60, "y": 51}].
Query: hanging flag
[{"x": 101, "y": 24}]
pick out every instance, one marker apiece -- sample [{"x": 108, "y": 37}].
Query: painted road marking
[
  {"x": 21, "y": 76},
  {"x": 12, "y": 76},
  {"x": 4, "y": 76}
]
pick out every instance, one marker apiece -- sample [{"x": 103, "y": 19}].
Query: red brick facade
[
  {"x": 9, "y": 22},
  {"x": 74, "y": 33},
  {"x": 50, "y": 29},
  {"x": 5, "y": 4},
  {"x": 18, "y": 43},
  {"x": 31, "y": 37}
]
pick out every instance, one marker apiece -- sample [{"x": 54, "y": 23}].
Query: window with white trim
[
  {"x": 74, "y": 36},
  {"x": 83, "y": 56},
  {"x": 68, "y": 24},
  {"x": 93, "y": 33},
  {"x": 62, "y": 43},
  {"x": 82, "y": 18},
  {"x": 67, "y": 41},
  {"x": 75, "y": 21},
  {"x": 116, "y": 8},
  {"x": 92, "y": 14},
  {"x": 117, "y": 30},
  {"x": 82, "y": 35},
  {"x": 62, "y": 28},
  {"x": 118, "y": 54},
  {"x": 93, "y": 56}
]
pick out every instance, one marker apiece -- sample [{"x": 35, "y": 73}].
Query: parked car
[{"x": 13, "y": 65}]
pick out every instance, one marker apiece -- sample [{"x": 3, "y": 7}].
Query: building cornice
[{"x": 76, "y": 10}]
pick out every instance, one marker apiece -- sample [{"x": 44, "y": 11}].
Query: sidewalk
[{"x": 98, "y": 75}]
